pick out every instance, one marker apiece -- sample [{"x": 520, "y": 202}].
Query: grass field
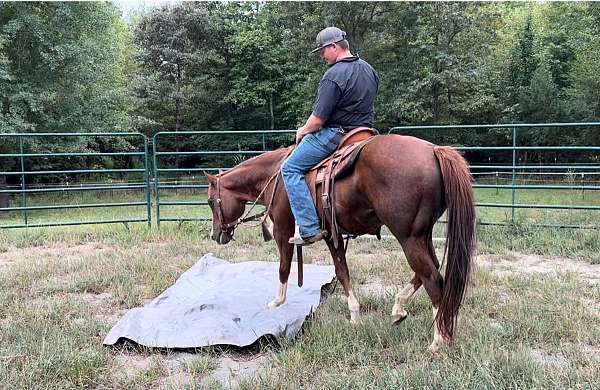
[
  {"x": 483, "y": 195},
  {"x": 520, "y": 235},
  {"x": 61, "y": 289}
]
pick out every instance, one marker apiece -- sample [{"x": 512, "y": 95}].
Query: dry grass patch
[
  {"x": 525, "y": 324},
  {"x": 514, "y": 263},
  {"x": 176, "y": 370}
]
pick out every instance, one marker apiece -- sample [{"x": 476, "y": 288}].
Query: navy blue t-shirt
[{"x": 347, "y": 94}]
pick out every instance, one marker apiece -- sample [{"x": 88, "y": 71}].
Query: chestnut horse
[{"x": 398, "y": 181}]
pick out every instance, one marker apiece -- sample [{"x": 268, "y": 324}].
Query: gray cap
[{"x": 327, "y": 36}]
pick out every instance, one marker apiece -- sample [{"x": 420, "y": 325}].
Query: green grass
[
  {"x": 536, "y": 315},
  {"x": 61, "y": 290},
  {"x": 573, "y": 243},
  {"x": 483, "y": 195},
  {"x": 539, "y": 197},
  {"x": 202, "y": 366}
]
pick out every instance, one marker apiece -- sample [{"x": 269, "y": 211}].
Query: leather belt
[{"x": 346, "y": 129}]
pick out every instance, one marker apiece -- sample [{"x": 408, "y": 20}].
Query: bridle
[
  {"x": 228, "y": 228},
  {"x": 218, "y": 209}
]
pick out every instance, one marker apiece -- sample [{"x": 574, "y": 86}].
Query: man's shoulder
[
  {"x": 346, "y": 65},
  {"x": 342, "y": 68},
  {"x": 364, "y": 64}
]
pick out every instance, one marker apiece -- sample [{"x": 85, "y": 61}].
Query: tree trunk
[
  {"x": 271, "y": 111},
  {"x": 178, "y": 113},
  {"x": 4, "y": 199},
  {"x": 178, "y": 100}
]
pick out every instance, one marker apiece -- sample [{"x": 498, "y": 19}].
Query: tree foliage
[
  {"x": 243, "y": 66},
  {"x": 61, "y": 67}
]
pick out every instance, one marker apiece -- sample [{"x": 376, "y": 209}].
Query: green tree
[
  {"x": 539, "y": 100},
  {"x": 169, "y": 41},
  {"x": 61, "y": 70},
  {"x": 63, "y": 65}
]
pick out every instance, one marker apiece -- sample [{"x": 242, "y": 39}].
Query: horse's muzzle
[{"x": 222, "y": 237}]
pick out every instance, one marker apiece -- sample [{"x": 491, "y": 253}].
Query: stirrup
[{"x": 298, "y": 240}]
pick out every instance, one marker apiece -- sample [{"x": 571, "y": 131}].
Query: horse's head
[{"x": 226, "y": 208}]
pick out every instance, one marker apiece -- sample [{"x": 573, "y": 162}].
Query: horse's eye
[{"x": 210, "y": 202}]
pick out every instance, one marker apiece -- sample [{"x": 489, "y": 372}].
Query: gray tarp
[{"x": 216, "y": 302}]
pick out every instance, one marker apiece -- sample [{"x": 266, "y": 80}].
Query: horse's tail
[{"x": 460, "y": 237}]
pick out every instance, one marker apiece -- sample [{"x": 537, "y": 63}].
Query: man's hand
[
  {"x": 313, "y": 123},
  {"x": 300, "y": 133}
]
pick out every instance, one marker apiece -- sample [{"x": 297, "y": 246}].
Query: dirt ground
[
  {"x": 515, "y": 263},
  {"x": 234, "y": 367}
]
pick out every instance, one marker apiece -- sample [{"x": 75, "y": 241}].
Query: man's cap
[{"x": 327, "y": 36}]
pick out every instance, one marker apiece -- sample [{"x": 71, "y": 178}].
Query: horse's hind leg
[
  {"x": 399, "y": 313},
  {"x": 342, "y": 273},
  {"x": 421, "y": 258}
]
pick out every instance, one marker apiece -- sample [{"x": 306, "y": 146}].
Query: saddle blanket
[{"x": 216, "y": 302}]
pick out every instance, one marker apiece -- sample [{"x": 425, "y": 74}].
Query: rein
[{"x": 262, "y": 216}]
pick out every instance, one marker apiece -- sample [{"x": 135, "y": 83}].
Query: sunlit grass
[
  {"x": 522, "y": 216},
  {"x": 63, "y": 288}
]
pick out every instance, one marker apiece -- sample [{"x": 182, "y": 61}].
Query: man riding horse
[
  {"x": 344, "y": 101},
  {"x": 401, "y": 182}
]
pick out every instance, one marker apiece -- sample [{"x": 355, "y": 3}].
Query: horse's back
[{"x": 402, "y": 158}]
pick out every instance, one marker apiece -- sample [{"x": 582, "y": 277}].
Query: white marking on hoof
[
  {"x": 399, "y": 317},
  {"x": 354, "y": 308},
  {"x": 281, "y": 295},
  {"x": 439, "y": 341},
  {"x": 398, "y": 311},
  {"x": 274, "y": 303},
  {"x": 434, "y": 348},
  {"x": 437, "y": 344}
]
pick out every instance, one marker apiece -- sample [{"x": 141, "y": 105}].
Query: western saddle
[{"x": 339, "y": 164}]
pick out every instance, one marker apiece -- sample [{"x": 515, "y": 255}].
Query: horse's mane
[{"x": 270, "y": 157}]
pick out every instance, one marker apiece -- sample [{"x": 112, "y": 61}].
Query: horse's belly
[
  {"x": 352, "y": 213},
  {"x": 358, "y": 222}
]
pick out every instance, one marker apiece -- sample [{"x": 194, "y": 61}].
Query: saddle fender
[{"x": 339, "y": 164}]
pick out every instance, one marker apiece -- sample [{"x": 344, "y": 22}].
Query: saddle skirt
[{"x": 321, "y": 178}]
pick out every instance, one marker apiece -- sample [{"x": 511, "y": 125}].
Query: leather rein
[{"x": 262, "y": 216}]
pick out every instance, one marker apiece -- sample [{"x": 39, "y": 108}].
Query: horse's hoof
[
  {"x": 434, "y": 350},
  {"x": 355, "y": 317},
  {"x": 398, "y": 318},
  {"x": 398, "y": 315},
  {"x": 274, "y": 304},
  {"x": 436, "y": 346}
]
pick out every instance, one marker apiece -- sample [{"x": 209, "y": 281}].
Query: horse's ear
[{"x": 211, "y": 179}]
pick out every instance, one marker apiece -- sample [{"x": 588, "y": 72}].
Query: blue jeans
[{"x": 313, "y": 149}]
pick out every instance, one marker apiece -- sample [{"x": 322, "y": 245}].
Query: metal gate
[
  {"x": 568, "y": 182},
  {"x": 44, "y": 195},
  {"x": 176, "y": 187},
  {"x": 40, "y": 192}
]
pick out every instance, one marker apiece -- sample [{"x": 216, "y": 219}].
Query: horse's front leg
[
  {"x": 286, "y": 252},
  {"x": 342, "y": 273}
]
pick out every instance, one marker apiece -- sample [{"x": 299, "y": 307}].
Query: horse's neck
[{"x": 249, "y": 178}]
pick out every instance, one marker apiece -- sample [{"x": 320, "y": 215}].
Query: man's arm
[
  {"x": 313, "y": 123},
  {"x": 328, "y": 96}
]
